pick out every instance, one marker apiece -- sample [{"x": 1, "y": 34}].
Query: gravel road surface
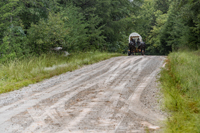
[{"x": 118, "y": 95}]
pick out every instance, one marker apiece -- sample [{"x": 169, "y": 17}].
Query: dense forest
[{"x": 34, "y": 27}]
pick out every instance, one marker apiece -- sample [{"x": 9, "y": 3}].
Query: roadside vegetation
[
  {"x": 18, "y": 73},
  {"x": 30, "y": 29},
  {"x": 34, "y": 27},
  {"x": 181, "y": 88}
]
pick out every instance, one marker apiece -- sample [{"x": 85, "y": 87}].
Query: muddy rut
[{"x": 117, "y": 95}]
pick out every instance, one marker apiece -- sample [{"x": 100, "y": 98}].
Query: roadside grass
[
  {"x": 180, "y": 83},
  {"x": 18, "y": 73}
]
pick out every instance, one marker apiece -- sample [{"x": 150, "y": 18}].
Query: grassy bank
[
  {"x": 22, "y": 72},
  {"x": 180, "y": 82}
]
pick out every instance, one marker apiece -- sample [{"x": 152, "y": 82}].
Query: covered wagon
[{"x": 136, "y": 45}]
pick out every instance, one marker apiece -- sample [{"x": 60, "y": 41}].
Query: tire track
[{"x": 103, "y": 97}]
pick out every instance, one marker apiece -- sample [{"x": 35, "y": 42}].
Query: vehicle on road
[{"x": 136, "y": 45}]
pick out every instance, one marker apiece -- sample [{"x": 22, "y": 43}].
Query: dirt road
[{"x": 116, "y": 95}]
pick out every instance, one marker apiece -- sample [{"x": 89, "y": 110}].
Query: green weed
[
  {"x": 18, "y": 73},
  {"x": 181, "y": 88}
]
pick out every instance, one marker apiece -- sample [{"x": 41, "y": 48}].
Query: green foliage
[
  {"x": 74, "y": 22},
  {"x": 180, "y": 29},
  {"x": 34, "y": 10},
  {"x": 168, "y": 25},
  {"x": 162, "y": 5},
  {"x": 145, "y": 19},
  {"x": 85, "y": 25},
  {"x": 14, "y": 44},
  {"x": 78, "y": 25},
  {"x": 180, "y": 86},
  {"x": 111, "y": 18},
  {"x": 47, "y": 34},
  {"x": 95, "y": 37},
  {"x": 83, "y": 35},
  {"x": 16, "y": 17},
  {"x": 9, "y": 10},
  {"x": 155, "y": 36}
]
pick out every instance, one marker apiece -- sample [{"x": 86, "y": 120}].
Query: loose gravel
[{"x": 116, "y": 95}]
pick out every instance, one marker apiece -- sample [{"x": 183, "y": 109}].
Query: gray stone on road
[{"x": 118, "y": 95}]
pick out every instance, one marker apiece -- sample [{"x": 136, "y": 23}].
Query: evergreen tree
[
  {"x": 77, "y": 39},
  {"x": 13, "y": 41},
  {"x": 162, "y": 5},
  {"x": 47, "y": 34},
  {"x": 9, "y": 11},
  {"x": 145, "y": 19}
]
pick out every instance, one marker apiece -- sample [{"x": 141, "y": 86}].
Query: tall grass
[
  {"x": 180, "y": 82},
  {"x": 18, "y": 73}
]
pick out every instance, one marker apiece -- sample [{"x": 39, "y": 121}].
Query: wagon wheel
[
  {"x": 134, "y": 51},
  {"x": 142, "y": 51}
]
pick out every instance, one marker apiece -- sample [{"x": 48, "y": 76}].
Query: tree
[
  {"x": 145, "y": 20},
  {"x": 9, "y": 11},
  {"x": 178, "y": 31},
  {"x": 154, "y": 38},
  {"x": 34, "y": 10},
  {"x": 13, "y": 40},
  {"x": 162, "y": 5},
  {"x": 74, "y": 21},
  {"x": 110, "y": 18},
  {"x": 47, "y": 34}
]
